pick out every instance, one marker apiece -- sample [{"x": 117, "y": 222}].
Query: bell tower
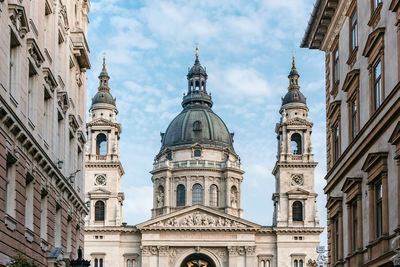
[
  {"x": 104, "y": 170},
  {"x": 294, "y": 197}
]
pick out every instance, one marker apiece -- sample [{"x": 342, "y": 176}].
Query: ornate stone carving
[
  {"x": 163, "y": 251},
  {"x": 34, "y": 52},
  {"x": 63, "y": 18},
  {"x": 63, "y": 101},
  {"x": 160, "y": 199},
  {"x": 49, "y": 79},
  {"x": 251, "y": 250},
  {"x": 18, "y": 19},
  {"x": 199, "y": 219},
  {"x": 149, "y": 250}
]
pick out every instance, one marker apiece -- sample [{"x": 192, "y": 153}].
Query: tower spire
[
  {"x": 103, "y": 77},
  {"x": 293, "y": 75}
]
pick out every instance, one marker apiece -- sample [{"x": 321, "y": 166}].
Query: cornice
[{"x": 111, "y": 229}]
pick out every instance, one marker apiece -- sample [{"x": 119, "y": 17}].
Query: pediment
[
  {"x": 375, "y": 159},
  {"x": 351, "y": 77},
  {"x": 103, "y": 121},
  {"x": 395, "y": 136},
  {"x": 298, "y": 191},
  {"x": 373, "y": 38},
  {"x": 333, "y": 108},
  {"x": 198, "y": 217},
  {"x": 350, "y": 183},
  {"x": 99, "y": 191}
]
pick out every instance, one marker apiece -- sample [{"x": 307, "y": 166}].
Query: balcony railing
[{"x": 196, "y": 163}]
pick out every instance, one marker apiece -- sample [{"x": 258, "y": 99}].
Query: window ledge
[
  {"x": 10, "y": 222},
  {"x": 29, "y": 235},
  {"x": 353, "y": 57},
  {"x": 376, "y": 16},
  {"x": 44, "y": 245}
]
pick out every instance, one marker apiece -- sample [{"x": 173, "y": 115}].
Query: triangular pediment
[
  {"x": 395, "y": 136},
  {"x": 298, "y": 191},
  {"x": 99, "y": 191},
  {"x": 198, "y": 217},
  {"x": 103, "y": 121},
  {"x": 373, "y": 38},
  {"x": 351, "y": 77}
]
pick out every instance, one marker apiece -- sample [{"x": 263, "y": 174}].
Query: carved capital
[
  {"x": 18, "y": 19},
  {"x": 163, "y": 251},
  {"x": 251, "y": 250}
]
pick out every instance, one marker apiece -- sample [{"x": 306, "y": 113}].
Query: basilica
[{"x": 197, "y": 176}]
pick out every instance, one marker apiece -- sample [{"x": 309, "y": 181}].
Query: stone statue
[{"x": 160, "y": 199}]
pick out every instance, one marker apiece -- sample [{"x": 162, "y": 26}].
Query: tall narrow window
[
  {"x": 96, "y": 263},
  {"x": 376, "y": 3},
  {"x": 213, "y": 195},
  {"x": 354, "y": 117},
  {"x": 296, "y": 263},
  {"x": 32, "y": 93},
  {"x": 43, "y": 218},
  {"x": 354, "y": 224},
  {"x": 29, "y": 202},
  {"x": 69, "y": 233},
  {"x": 297, "y": 211},
  {"x": 336, "y": 65},
  {"x": 378, "y": 195},
  {"x": 101, "y": 142},
  {"x": 60, "y": 137},
  {"x": 10, "y": 189},
  {"x": 336, "y": 143},
  {"x": 353, "y": 30},
  {"x": 295, "y": 144},
  {"x": 13, "y": 64},
  {"x": 300, "y": 263},
  {"x": 47, "y": 129},
  {"x": 57, "y": 227},
  {"x": 197, "y": 194},
  {"x": 377, "y": 85},
  {"x": 180, "y": 195},
  {"x": 336, "y": 235},
  {"x": 99, "y": 209}
]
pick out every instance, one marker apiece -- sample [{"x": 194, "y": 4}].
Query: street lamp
[
  {"x": 79, "y": 262},
  {"x": 396, "y": 248}
]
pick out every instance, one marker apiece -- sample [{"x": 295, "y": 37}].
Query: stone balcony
[
  {"x": 196, "y": 164},
  {"x": 103, "y": 158},
  {"x": 81, "y": 48}
]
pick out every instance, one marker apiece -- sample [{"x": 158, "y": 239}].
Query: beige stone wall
[
  {"x": 44, "y": 58},
  {"x": 370, "y": 158}
]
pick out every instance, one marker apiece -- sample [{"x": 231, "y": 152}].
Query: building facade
[
  {"x": 197, "y": 177},
  {"x": 361, "y": 41},
  {"x": 44, "y": 56}
]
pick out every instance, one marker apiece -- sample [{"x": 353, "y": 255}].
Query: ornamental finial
[
  {"x": 197, "y": 50},
  {"x": 294, "y": 56}
]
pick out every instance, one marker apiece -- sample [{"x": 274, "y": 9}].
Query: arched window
[
  {"x": 202, "y": 85},
  {"x": 296, "y": 263},
  {"x": 197, "y": 194},
  {"x": 197, "y": 85},
  {"x": 197, "y": 126},
  {"x": 301, "y": 263},
  {"x": 262, "y": 263},
  {"x": 295, "y": 144},
  {"x": 213, "y": 196},
  {"x": 268, "y": 263},
  {"x": 101, "y": 144},
  {"x": 297, "y": 211},
  {"x": 99, "y": 211},
  {"x": 180, "y": 195},
  {"x": 160, "y": 197}
]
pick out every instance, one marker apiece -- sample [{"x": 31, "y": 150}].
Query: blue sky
[{"x": 247, "y": 48}]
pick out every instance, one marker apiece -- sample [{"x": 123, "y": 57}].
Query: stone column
[
  {"x": 233, "y": 255},
  {"x": 163, "y": 255},
  {"x": 251, "y": 259},
  {"x": 398, "y": 183}
]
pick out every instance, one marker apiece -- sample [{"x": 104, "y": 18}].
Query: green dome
[
  {"x": 197, "y": 125},
  {"x": 103, "y": 96}
]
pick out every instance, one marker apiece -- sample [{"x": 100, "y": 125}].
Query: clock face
[
  {"x": 297, "y": 180},
  {"x": 100, "y": 180}
]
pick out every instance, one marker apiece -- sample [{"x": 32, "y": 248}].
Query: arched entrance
[{"x": 198, "y": 260}]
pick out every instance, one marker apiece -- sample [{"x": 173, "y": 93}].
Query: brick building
[
  {"x": 361, "y": 41},
  {"x": 44, "y": 56}
]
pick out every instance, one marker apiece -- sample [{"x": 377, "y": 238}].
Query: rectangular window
[
  {"x": 57, "y": 227},
  {"x": 10, "y": 189},
  {"x": 378, "y": 199},
  {"x": 32, "y": 93},
  {"x": 336, "y": 65},
  {"x": 43, "y": 218},
  {"x": 377, "y": 85},
  {"x": 354, "y": 224},
  {"x": 60, "y": 137},
  {"x": 354, "y": 118},
  {"x": 47, "y": 129},
  {"x": 13, "y": 64},
  {"x": 353, "y": 30},
  {"x": 29, "y": 204},
  {"x": 69, "y": 233},
  {"x": 376, "y": 3},
  {"x": 336, "y": 143}
]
